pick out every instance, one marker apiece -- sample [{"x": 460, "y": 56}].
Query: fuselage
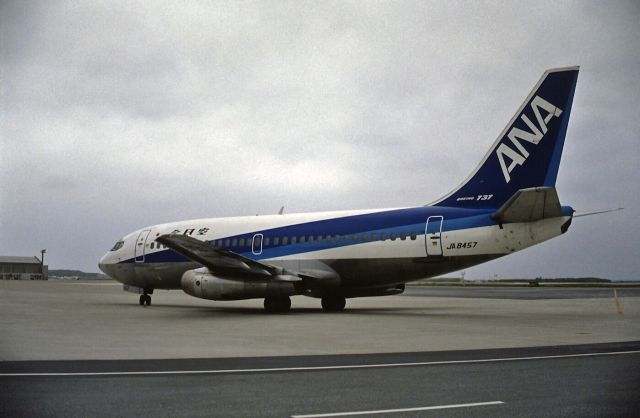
[{"x": 363, "y": 248}]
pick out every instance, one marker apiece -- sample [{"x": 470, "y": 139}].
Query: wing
[{"x": 218, "y": 261}]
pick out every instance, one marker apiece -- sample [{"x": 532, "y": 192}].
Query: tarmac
[
  {"x": 96, "y": 320},
  {"x": 77, "y": 349}
]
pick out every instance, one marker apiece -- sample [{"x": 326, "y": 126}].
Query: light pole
[{"x": 42, "y": 263}]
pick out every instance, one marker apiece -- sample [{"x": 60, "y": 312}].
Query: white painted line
[
  {"x": 91, "y": 284},
  {"x": 391, "y": 411},
  {"x": 316, "y": 368}
]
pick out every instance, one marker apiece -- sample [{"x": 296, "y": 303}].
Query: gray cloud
[{"x": 120, "y": 115}]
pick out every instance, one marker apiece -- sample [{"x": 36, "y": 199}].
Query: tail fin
[{"x": 527, "y": 152}]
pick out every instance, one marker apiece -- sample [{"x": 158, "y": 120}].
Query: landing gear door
[
  {"x": 140, "y": 245},
  {"x": 433, "y": 236}
]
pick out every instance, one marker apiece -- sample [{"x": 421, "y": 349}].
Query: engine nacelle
[{"x": 202, "y": 284}]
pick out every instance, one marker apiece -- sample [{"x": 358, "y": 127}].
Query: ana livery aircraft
[{"x": 508, "y": 203}]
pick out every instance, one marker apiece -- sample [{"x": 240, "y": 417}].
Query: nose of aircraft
[{"x": 104, "y": 264}]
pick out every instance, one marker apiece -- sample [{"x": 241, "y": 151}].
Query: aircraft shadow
[{"x": 231, "y": 311}]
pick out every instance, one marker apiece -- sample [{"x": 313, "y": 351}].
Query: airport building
[{"x": 22, "y": 268}]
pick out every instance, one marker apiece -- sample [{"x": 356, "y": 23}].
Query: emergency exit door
[
  {"x": 433, "y": 236},
  {"x": 256, "y": 245}
]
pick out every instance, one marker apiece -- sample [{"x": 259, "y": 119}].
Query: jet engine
[{"x": 202, "y": 284}]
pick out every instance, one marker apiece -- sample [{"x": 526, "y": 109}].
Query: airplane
[{"x": 509, "y": 202}]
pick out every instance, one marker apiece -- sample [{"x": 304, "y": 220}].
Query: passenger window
[
  {"x": 355, "y": 237},
  {"x": 227, "y": 242},
  {"x": 328, "y": 238},
  {"x": 302, "y": 239},
  {"x": 152, "y": 244},
  {"x": 294, "y": 240},
  {"x": 285, "y": 240},
  {"x": 310, "y": 239},
  {"x": 267, "y": 241},
  {"x": 276, "y": 241},
  {"x": 337, "y": 238},
  {"x": 394, "y": 236},
  {"x": 234, "y": 242},
  {"x": 319, "y": 238},
  {"x": 241, "y": 242},
  {"x": 413, "y": 236}
]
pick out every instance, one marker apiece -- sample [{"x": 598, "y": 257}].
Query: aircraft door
[
  {"x": 256, "y": 246},
  {"x": 433, "y": 236},
  {"x": 140, "y": 245}
]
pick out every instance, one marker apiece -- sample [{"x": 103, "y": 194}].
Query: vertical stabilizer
[{"x": 527, "y": 152}]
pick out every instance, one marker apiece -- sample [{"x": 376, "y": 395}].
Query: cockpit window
[{"x": 118, "y": 245}]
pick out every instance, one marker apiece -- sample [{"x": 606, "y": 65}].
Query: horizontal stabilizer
[{"x": 529, "y": 205}]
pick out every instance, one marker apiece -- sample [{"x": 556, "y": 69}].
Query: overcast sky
[{"x": 118, "y": 115}]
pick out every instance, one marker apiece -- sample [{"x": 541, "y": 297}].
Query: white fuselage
[{"x": 357, "y": 258}]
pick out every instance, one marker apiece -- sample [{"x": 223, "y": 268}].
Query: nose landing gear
[
  {"x": 145, "y": 300},
  {"x": 145, "y": 297}
]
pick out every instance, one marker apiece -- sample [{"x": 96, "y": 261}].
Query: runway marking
[
  {"x": 391, "y": 411},
  {"x": 91, "y": 284},
  {"x": 316, "y": 368}
]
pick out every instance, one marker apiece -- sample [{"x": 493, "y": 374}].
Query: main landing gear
[
  {"x": 277, "y": 304},
  {"x": 333, "y": 303},
  {"x": 281, "y": 304}
]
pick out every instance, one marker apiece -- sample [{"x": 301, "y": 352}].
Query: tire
[
  {"x": 333, "y": 303},
  {"x": 277, "y": 304},
  {"x": 284, "y": 304}
]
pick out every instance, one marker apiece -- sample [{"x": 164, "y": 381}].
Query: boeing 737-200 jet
[{"x": 508, "y": 203}]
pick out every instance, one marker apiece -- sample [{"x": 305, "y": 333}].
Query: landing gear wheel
[
  {"x": 145, "y": 300},
  {"x": 275, "y": 304},
  {"x": 333, "y": 303}
]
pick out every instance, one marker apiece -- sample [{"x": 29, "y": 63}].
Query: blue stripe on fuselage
[{"x": 392, "y": 221}]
